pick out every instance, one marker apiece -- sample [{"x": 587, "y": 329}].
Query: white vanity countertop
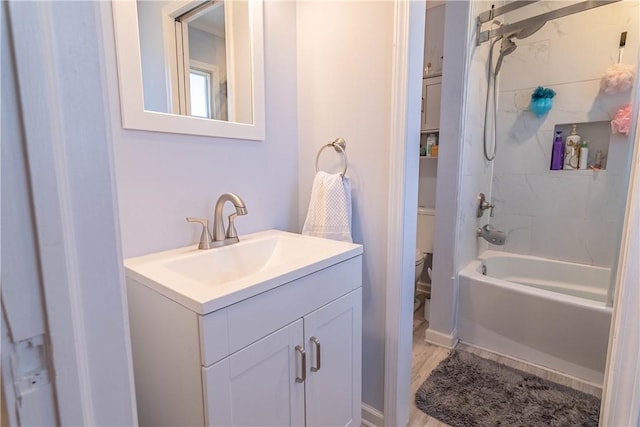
[{"x": 207, "y": 280}]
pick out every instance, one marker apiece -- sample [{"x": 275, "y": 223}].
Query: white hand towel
[{"x": 329, "y": 214}]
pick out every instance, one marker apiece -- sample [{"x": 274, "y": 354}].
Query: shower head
[{"x": 507, "y": 47}]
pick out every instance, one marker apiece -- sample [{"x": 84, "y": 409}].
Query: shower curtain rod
[
  {"x": 538, "y": 20},
  {"x": 492, "y": 13}
]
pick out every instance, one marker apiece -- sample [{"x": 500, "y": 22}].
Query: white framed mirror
[{"x": 191, "y": 66}]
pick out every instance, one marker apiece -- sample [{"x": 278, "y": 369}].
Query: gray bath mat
[{"x": 467, "y": 390}]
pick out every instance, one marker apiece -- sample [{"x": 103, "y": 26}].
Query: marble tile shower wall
[{"x": 573, "y": 216}]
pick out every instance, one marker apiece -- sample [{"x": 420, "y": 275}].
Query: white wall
[
  {"x": 163, "y": 178},
  {"x": 462, "y": 170},
  {"x": 427, "y": 182},
  {"x": 620, "y": 399},
  {"x": 567, "y": 215},
  {"x": 152, "y": 55},
  {"x": 344, "y": 89}
]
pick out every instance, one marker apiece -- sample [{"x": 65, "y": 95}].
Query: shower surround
[
  {"x": 573, "y": 216},
  {"x": 563, "y": 226}
]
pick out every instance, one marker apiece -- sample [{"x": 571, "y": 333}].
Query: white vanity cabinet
[
  {"x": 287, "y": 356},
  {"x": 264, "y": 384}
]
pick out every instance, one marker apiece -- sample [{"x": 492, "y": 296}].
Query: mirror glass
[
  {"x": 187, "y": 70},
  {"x": 199, "y": 66}
]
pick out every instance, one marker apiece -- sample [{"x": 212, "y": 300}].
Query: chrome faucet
[
  {"x": 492, "y": 236},
  {"x": 220, "y": 237}
]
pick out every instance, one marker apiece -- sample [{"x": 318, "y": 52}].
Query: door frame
[
  {"x": 67, "y": 134},
  {"x": 624, "y": 350},
  {"x": 406, "y": 83}
]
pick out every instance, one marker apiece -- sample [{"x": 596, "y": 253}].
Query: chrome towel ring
[{"x": 340, "y": 145}]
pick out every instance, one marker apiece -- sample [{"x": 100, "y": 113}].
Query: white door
[
  {"x": 260, "y": 385},
  {"x": 333, "y": 340}
]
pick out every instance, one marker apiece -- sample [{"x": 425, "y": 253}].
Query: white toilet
[{"x": 424, "y": 238}]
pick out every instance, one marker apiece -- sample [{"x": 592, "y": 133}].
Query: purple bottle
[{"x": 557, "y": 154}]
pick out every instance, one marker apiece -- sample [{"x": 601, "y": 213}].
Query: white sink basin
[{"x": 205, "y": 280}]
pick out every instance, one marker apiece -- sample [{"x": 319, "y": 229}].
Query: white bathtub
[{"x": 546, "y": 312}]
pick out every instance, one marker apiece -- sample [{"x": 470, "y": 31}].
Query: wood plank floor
[{"x": 426, "y": 358}]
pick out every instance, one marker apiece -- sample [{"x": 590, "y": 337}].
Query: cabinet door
[
  {"x": 333, "y": 338},
  {"x": 432, "y": 103},
  {"x": 257, "y": 385}
]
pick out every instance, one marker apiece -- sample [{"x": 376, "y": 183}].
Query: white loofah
[{"x": 617, "y": 78}]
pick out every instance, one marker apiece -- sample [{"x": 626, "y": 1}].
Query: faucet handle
[
  {"x": 231, "y": 229},
  {"x": 205, "y": 237},
  {"x": 483, "y": 205}
]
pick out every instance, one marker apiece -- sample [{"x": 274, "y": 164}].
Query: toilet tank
[{"x": 426, "y": 229}]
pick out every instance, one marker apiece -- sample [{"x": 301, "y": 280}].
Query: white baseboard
[
  {"x": 443, "y": 340},
  {"x": 371, "y": 417}
]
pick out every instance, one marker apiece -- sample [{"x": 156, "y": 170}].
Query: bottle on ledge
[{"x": 557, "y": 153}]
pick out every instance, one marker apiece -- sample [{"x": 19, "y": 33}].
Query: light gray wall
[
  {"x": 23, "y": 314},
  {"x": 152, "y": 54},
  {"x": 434, "y": 37},
  {"x": 427, "y": 182},
  {"x": 344, "y": 81},
  {"x": 162, "y": 178},
  {"x": 205, "y": 47}
]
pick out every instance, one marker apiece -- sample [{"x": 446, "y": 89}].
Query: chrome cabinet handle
[
  {"x": 303, "y": 355},
  {"x": 316, "y": 342}
]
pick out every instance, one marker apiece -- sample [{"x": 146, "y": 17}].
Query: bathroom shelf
[
  {"x": 598, "y": 134},
  {"x": 578, "y": 171}
]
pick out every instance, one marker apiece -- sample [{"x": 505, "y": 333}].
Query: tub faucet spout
[{"x": 495, "y": 237}]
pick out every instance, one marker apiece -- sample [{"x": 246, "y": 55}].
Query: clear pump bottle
[{"x": 572, "y": 150}]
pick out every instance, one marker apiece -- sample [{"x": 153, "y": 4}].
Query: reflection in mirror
[
  {"x": 191, "y": 66},
  {"x": 196, "y": 58}
]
